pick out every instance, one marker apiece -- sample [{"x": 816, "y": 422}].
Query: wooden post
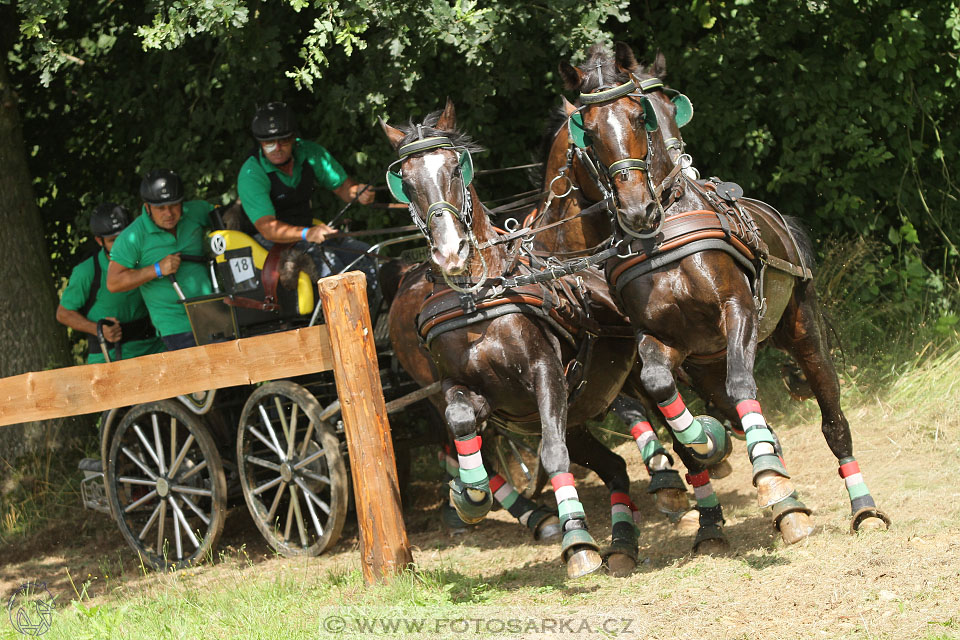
[{"x": 384, "y": 546}]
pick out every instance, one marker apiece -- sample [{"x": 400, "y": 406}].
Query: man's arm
[
  {"x": 121, "y": 278},
  {"x": 276, "y": 231},
  {"x": 78, "y": 322},
  {"x": 350, "y": 188}
]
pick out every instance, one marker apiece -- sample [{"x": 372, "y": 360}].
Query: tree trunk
[{"x": 30, "y": 337}]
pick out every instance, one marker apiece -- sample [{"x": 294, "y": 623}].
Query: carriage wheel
[
  {"x": 166, "y": 485},
  {"x": 517, "y": 458},
  {"x": 293, "y": 475}
]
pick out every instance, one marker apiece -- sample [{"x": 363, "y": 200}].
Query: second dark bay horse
[{"x": 705, "y": 275}]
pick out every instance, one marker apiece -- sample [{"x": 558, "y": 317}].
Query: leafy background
[{"x": 841, "y": 113}]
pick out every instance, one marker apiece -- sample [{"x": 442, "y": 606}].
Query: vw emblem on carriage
[
  {"x": 31, "y": 609},
  {"x": 218, "y": 244}
]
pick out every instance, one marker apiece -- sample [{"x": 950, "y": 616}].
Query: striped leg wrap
[
  {"x": 760, "y": 441},
  {"x": 707, "y": 502},
  {"x": 568, "y": 502},
  {"x": 688, "y": 429},
  {"x": 508, "y": 497},
  {"x": 857, "y": 489},
  {"x": 447, "y": 462},
  {"x": 625, "y": 517},
  {"x": 652, "y": 452},
  {"x": 471, "y": 471}
]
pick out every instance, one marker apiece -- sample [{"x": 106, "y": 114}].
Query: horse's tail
[
  {"x": 805, "y": 246},
  {"x": 804, "y": 243}
]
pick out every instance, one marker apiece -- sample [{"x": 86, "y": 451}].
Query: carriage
[{"x": 170, "y": 470}]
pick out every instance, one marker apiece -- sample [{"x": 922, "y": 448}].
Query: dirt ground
[{"x": 898, "y": 583}]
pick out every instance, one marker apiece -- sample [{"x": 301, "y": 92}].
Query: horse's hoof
[
  {"x": 672, "y": 502},
  {"x": 689, "y": 522},
  {"x": 712, "y": 547},
  {"x": 620, "y": 565},
  {"x": 549, "y": 530},
  {"x": 721, "y": 470},
  {"x": 583, "y": 562},
  {"x": 795, "y": 526},
  {"x": 872, "y": 524},
  {"x": 772, "y": 488},
  {"x": 710, "y": 540},
  {"x": 869, "y": 519}
]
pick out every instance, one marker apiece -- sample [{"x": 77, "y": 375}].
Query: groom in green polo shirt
[
  {"x": 86, "y": 301},
  {"x": 149, "y": 251}
]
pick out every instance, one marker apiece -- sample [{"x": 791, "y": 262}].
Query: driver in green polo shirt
[
  {"x": 276, "y": 186},
  {"x": 86, "y": 300},
  {"x": 148, "y": 255}
]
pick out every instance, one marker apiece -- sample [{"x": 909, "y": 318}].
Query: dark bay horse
[
  {"x": 502, "y": 351},
  {"x": 705, "y": 275},
  {"x": 573, "y": 189}
]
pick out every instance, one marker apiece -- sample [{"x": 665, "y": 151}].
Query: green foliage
[{"x": 839, "y": 113}]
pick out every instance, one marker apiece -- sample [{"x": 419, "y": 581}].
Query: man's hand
[
  {"x": 112, "y": 332},
  {"x": 366, "y": 194},
  {"x": 170, "y": 264},
  {"x": 318, "y": 233}
]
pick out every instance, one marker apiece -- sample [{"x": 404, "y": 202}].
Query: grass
[{"x": 494, "y": 582}]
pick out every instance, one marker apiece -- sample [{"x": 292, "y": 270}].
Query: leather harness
[{"x": 563, "y": 306}]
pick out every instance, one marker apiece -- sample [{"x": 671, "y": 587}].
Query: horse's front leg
[
  {"x": 699, "y": 441},
  {"x": 579, "y": 550},
  {"x": 470, "y": 493},
  {"x": 770, "y": 477}
]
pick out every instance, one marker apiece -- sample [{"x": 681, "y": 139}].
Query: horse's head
[
  {"x": 632, "y": 124},
  {"x": 433, "y": 175}
]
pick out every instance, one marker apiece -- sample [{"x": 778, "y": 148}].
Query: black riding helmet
[
  {"x": 160, "y": 187},
  {"x": 273, "y": 121},
  {"x": 109, "y": 219}
]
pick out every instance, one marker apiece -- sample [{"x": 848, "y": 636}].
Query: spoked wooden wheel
[
  {"x": 293, "y": 475},
  {"x": 517, "y": 458},
  {"x": 166, "y": 484}
]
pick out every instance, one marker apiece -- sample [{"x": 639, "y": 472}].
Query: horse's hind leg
[
  {"x": 667, "y": 487},
  {"x": 703, "y": 436},
  {"x": 586, "y": 450},
  {"x": 710, "y": 538},
  {"x": 774, "y": 488},
  {"x": 470, "y": 492},
  {"x": 801, "y": 332}
]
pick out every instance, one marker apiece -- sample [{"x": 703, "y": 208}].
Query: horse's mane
[
  {"x": 427, "y": 127},
  {"x": 600, "y": 59}
]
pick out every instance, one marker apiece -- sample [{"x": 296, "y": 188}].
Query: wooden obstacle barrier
[{"x": 344, "y": 344}]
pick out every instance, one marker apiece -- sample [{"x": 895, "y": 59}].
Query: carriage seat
[{"x": 244, "y": 269}]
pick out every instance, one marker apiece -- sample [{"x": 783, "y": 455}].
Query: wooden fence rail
[{"x": 345, "y": 345}]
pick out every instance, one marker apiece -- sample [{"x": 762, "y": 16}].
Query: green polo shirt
[
  {"x": 125, "y": 306},
  {"x": 143, "y": 243},
  {"x": 253, "y": 183}
]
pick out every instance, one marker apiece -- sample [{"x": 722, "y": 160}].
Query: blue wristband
[
  {"x": 156, "y": 267},
  {"x": 303, "y": 234}
]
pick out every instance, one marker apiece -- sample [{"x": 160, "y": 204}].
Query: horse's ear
[
  {"x": 568, "y": 107},
  {"x": 448, "y": 119},
  {"x": 572, "y": 77},
  {"x": 624, "y": 57},
  {"x": 659, "y": 66},
  {"x": 395, "y": 135}
]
